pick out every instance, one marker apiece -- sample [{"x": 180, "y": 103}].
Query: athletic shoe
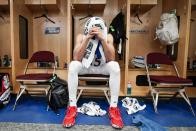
[
  {"x": 71, "y": 114},
  {"x": 115, "y": 117}
]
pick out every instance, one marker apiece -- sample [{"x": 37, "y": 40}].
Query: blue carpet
[{"x": 33, "y": 110}]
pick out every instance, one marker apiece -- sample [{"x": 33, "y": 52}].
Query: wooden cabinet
[
  {"x": 193, "y": 5},
  {"x": 142, "y": 5},
  {"x": 4, "y": 6},
  {"x": 37, "y": 5},
  {"x": 37, "y": 2},
  {"x": 85, "y": 2},
  {"x": 193, "y": 2},
  {"x": 5, "y": 36},
  {"x": 191, "y": 72},
  {"x": 141, "y": 37},
  {"x": 5, "y": 43},
  {"x": 4, "y": 2},
  {"x": 67, "y": 15},
  {"x": 92, "y": 5},
  {"x": 144, "y": 2}
]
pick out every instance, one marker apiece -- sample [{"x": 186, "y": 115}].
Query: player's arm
[
  {"x": 80, "y": 47},
  {"x": 106, "y": 43},
  {"x": 81, "y": 43},
  {"x": 108, "y": 47}
]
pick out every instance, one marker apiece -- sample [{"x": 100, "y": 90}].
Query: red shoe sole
[
  {"x": 72, "y": 124},
  {"x": 114, "y": 125}
]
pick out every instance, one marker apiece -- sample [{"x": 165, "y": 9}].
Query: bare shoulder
[{"x": 110, "y": 38}]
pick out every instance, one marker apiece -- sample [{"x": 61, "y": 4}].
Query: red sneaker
[
  {"x": 115, "y": 117},
  {"x": 71, "y": 114}
]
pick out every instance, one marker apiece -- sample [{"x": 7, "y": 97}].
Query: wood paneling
[
  {"x": 143, "y": 5},
  {"x": 4, "y": 6},
  {"x": 127, "y": 50},
  {"x": 86, "y": 2},
  {"x": 61, "y": 44},
  {"x": 83, "y": 5},
  {"x": 69, "y": 31},
  {"x": 192, "y": 43},
  {"x": 193, "y": 5},
  {"x": 37, "y": 2},
  {"x": 193, "y": 2},
  {"x": 4, "y": 2},
  {"x": 52, "y": 42},
  {"x": 108, "y": 16},
  {"x": 18, "y": 8},
  {"x": 39, "y": 5},
  {"x": 144, "y": 2},
  {"x": 38, "y": 40},
  {"x": 142, "y": 43},
  {"x": 5, "y": 41},
  {"x": 192, "y": 51},
  {"x": 183, "y": 8}
]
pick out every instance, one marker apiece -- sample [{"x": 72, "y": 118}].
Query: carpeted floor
[
  {"x": 33, "y": 110},
  {"x": 57, "y": 127}
]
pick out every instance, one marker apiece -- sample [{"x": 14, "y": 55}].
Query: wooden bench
[{"x": 94, "y": 78}]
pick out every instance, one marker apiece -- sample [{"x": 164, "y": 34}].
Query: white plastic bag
[{"x": 167, "y": 31}]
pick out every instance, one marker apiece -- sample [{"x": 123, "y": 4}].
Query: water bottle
[{"x": 129, "y": 88}]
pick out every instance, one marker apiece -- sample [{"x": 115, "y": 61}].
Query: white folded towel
[{"x": 93, "y": 43}]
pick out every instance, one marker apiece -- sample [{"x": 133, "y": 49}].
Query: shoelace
[
  {"x": 70, "y": 111},
  {"x": 116, "y": 111}
]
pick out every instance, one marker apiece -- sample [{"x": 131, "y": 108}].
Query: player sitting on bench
[{"x": 94, "y": 54}]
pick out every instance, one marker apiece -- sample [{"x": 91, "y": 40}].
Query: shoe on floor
[
  {"x": 115, "y": 117},
  {"x": 70, "y": 116}
]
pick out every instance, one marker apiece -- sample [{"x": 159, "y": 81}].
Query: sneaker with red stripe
[
  {"x": 115, "y": 117},
  {"x": 70, "y": 117}
]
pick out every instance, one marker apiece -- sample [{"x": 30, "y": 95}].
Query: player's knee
[
  {"x": 114, "y": 67},
  {"x": 74, "y": 66}
]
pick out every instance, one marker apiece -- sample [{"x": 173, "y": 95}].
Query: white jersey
[{"x": 96, "y": 60}]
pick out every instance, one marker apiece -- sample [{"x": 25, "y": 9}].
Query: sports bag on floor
[
  {"x": 58, "y": 94},
  {"x": 5, "y": 89}
]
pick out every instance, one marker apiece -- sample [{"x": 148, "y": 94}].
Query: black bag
[
  {"x": 58, "y": 94},
  {"x": 117, "y": 29}
]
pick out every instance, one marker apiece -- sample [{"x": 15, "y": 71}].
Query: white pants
[{"x": 111, "y": 68}]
